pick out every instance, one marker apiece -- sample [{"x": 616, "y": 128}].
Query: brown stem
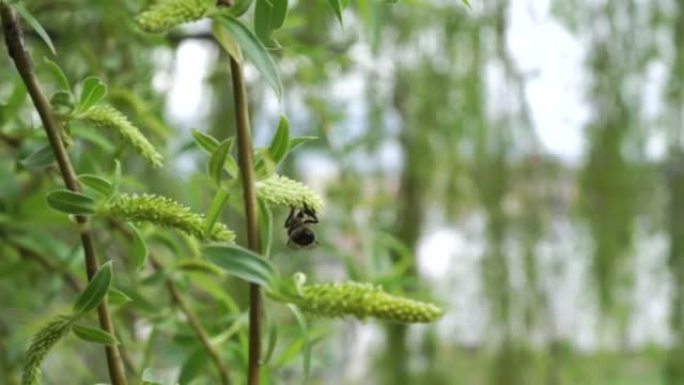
[
  {"x": 246, "y": 163},
  {"x": 17, "y": 51},
  {"x": 178, "y": 300},
  {"x": 195, "y": 324}
]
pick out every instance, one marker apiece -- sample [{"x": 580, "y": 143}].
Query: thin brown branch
[
  {"x": 48, "y": 265},
  {"x": 246, "y": 163},
  {"x": 192, "y": 318},
  {"x": 195, "y": 324},
  {"x": 17, "y": 51}
]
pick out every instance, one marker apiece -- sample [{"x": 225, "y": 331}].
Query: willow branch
[
  {"x": 180, "y": 302},
  {"x": 246, "y": 163},
  {"x": 15, "y": 46}
]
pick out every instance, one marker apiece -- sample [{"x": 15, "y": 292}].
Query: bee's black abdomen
[{"x": 303, "y": 236}]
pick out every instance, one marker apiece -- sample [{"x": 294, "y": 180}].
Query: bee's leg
[
  {"x": 311, "y": 213},
  {"x": 290, "y": 217}
]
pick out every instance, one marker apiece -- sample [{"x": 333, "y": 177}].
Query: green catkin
[
  {"x": 43, "y": 341},
  {"x": 170, "y": 13},
  {"x": 280, "y": 190},
  {"x": 164, "y": 212},
  {"x": 364, "y": 300},
  {"x": 107, "y": 117}
]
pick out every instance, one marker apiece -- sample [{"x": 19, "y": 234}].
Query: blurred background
[{"x": 520, "y": 163}]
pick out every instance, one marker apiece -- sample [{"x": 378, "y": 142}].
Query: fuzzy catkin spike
[
  {"x": 364, "y": 300},
  {"x": 43, "y": 341},
  {"x": 164, "y": 212},
  {"x": 107, "y": 117},
  {"x": 280, "y": 190},
  {"x": 169, "y": 13}
]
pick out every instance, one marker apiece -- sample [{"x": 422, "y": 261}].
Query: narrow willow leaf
[
  {"x": 299, "y": 140},
  {"x": 240, "y": 7},
  {"x": 227, "y": 42},
  {"x": 269, "y": 15},
  {"x": 281, "y": 141},
  {"x": 96, "y": 290},
  {"x": 93, "y": 91},
  {"x": 62, "y": 102},
  {"x": 306, "y": 357},
  {"x": 117, "y": 297},
  {"x": 198, "y": 265},
  {"x": 71, "y": 202},
  {"x": 39, "y": 159},
  {"x": 337, "y": 8},
  {"x": 193, "y": 366},
  {"x": 242, "y": 263},
  {"x": 140, "y": 251},
  {"x": 217, "y": 205},
  {"x": 265, "y": 227},
  {"x": 97, "y": 183},
  {"x": 97, "y": 335},
  {"x": 58, "y": 74},
  {"x": 254, "y": 50},
  {"x": 35, "y": 24},
  {"x": 218, "y": 159},
  {"x": 205, "y": 141},
  {"x": 270, "y": 344},
  {"x": 116, "y": 179}
]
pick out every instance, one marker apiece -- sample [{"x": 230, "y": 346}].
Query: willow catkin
[
  {"x": 364, "y": 300},
  {"x": 109, "y": 118},
  {"x": 43, "y": 341},
  {"x": 280, "y": 190},
  {"x": 171, "y": 13},
  {"x": 165, "y": 212}
]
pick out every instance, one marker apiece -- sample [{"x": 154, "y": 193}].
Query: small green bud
[
  {"x": 43, "y": 341},
  {"x": 364, "y": 300},
  {"x": 107, "y": 117},
  {"x": 164, "y": 212},
  {"x": 280, "y": 190},
  {"x": 169, "y": 13}
]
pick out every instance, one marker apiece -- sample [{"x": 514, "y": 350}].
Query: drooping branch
[{"x": 15, "y": 46}]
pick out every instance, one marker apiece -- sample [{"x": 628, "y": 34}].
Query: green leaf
[
  {"x": 270, "y": 344},
  {"x": 198, "y": 265},
  {"x": 62, "y": 102},
  {"x": 281, "y": 141},
  {"x": 227, "y": 42},
  {"x": 218, "y": 159},
  {"x": 242, "y": 263},
  {"x": 26, "y": 15},
  {"x": 205, "y": 141},
  {"x": 117, "y": 297},
  {"x": 140, "y": 250},
  {"x": 217, "y": 205},
  {"x": 97, "y": 183},
  {"x": 71, "y": 202},
  {"x": 58, "y": 74},
  {"x": 93, "y": 91},
  {"x": 240, "y": 7},
  {"x": 39, "y": 159},
  {"x": 306, "y": 358},
  {"x": 193, "y": 366},
  {"x": 116, "y": 179},
  {"x": 269, "y": 15},
  {"x": 337, "y": 7},
  {"x": 299, "y": 140},
  {"x": 265, "y": 227},
  {"x": 96, "y": 335},
  {"x": 254, "y": 50},
  {"x": 97, "y": 288}
]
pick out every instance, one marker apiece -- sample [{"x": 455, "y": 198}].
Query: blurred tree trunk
[{"x": 674, "y": 373}]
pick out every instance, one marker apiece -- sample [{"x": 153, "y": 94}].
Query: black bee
[{"x": 299, "y": 229}]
